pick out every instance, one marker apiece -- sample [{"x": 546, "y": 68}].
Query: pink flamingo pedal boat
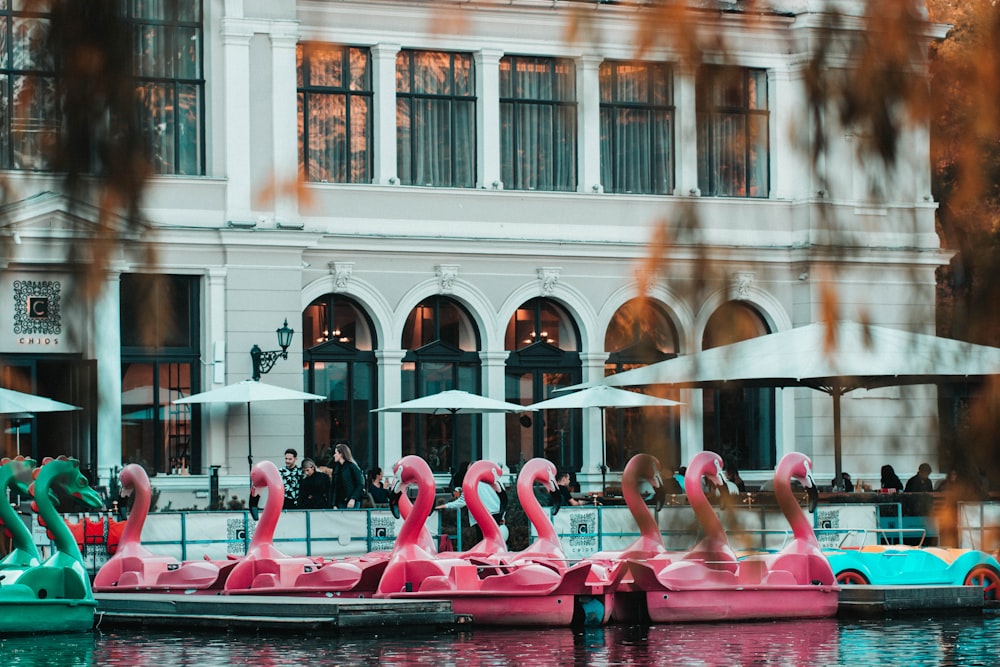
[
  {"x": 596, "y": 597},
  {"x": 710, "y": 584},
  {"x": 266, "y": 570},
  {"x": 481, "y": 585},
  {"x": 135, "y": 568},
  {"x": 648, "y": 548}
]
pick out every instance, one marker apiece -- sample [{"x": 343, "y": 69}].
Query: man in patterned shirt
[{"x": 291, "y": 475}]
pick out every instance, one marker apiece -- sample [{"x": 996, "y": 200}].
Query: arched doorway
[
  {"x": 442, "y": 352},
  {"x": 739, "y": 422},
  {"x": 339, "y": 358},
  {"x": 641, "y": 333},
  {"x": 544, "y": 345}
]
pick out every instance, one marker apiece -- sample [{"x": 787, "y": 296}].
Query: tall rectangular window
[
  {"x": 335, "y": 113},
  {"x": 538, "y": 123},
  {"x": 168, "y": 79},
  {"x": 637, "y": 128},
  {"x": 436, "y": 119},
  {"x": 161, "y": 362},
  {"x": 733, "y": 146},
  {"x": 29, "y": 124},
  {"x": 170, "y": 82}
]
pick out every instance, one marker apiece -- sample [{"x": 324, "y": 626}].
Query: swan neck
[
  {"x": 789, "y": 506},
  {"x": 707, "y": 519},
  {"x": 421, "y": 509},
  {"x": 137, "y": 517},
  {"x": 264, "y": 534},
  {"x": 637, "y": 506},
  {"x": 533, "y": 509}
]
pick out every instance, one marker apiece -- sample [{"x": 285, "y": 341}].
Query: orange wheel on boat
[
  {"x": 987, "y": 578},
  {"x": 851, "y": 578}
]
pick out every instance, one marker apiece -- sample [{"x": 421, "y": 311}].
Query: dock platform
[
  {"x": 266, "y": 612},
  {"x": 334, "y": 614}
]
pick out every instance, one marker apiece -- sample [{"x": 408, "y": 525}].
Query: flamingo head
[
  {"x": 642, "y": 467},
  {"x": 797, "y": 466},
  {"x": 546, "y": 474},
  {"x": 707, "y": 466},
  {"x": 265, "y": 475},
  {"x": 407, "y": 470},
  {"x": 396, "y": 492},
  {"x": 655, "y": 479},
  {"x": 482, "y": 471},
  {"x": 129, "y": 476}
]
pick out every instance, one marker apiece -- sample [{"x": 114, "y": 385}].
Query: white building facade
[{"x": 452, "y": 195}]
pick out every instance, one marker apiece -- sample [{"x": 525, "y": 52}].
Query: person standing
[
  {"x": 291, "y": 477},
  {"x": 348, "y": 480},
  {"x": 314, "y": 488}
]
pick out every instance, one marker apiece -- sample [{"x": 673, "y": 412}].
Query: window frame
[
  {"x": 709, "y": 114},
  {"x": 450, "y": 101},
  {"x": 306, "y": 90},
  {"x": 510, "y": 167},
  {"x": 46, "y": 80},
  {"x": 159, "y": 357},
  {"x": 177, "y": 26},
  {"x": 610, "y": 152}
]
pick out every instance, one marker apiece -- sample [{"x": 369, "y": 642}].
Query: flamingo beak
[
  {"x": 811, "y": 490},
  {"x": 813, "y": 494},
  {"x": 394, "y": 497},
  {"x": 497, "y": 480},
  {"x": 717, "y": 477},
  {"x": 660, "y": 496}
]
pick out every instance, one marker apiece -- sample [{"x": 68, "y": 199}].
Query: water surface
[{"x": 914, "y": 642}]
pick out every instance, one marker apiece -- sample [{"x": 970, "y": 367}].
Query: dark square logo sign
[{"x": 38, "y": 307}]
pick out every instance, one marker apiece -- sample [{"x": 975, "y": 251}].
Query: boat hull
[
  {"x": 673, "y": 606},
  {"x": 34, "y": 616}
]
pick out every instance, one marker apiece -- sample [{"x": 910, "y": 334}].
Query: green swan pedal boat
[{"x": 52, "y": 595}]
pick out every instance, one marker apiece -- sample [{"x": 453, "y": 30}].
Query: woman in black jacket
[
  {"x": 348, "y": 480},
  {"x": 314, "y": 489}
]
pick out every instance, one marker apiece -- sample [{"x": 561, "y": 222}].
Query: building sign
[{"x": 37, "y": 313}]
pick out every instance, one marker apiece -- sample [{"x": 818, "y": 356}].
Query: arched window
[
  {"x": 739, "y": 422},
  {"x": 639, "y": 334},
  {"x": 339, "y": 358},
  {"x": 442, "y": 352},
  {"x": 543, "y": 341}
]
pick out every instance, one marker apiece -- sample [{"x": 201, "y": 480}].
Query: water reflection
[{"x": 914, "y": 642}]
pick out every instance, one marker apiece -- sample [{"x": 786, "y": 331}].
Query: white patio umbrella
[
  {"x": 454, "y": 402},
  {"x": 249, "y": 391},
  {"x": 13, "y": 402},
  {"x": 832, "y": 357},
  {"x": 22, "y": 406},
  {"x": 602, "y": 397}
]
